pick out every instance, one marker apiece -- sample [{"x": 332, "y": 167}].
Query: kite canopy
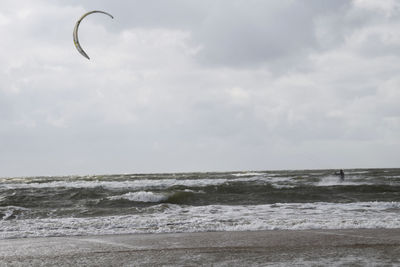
[{"x": 75, "y": 34}]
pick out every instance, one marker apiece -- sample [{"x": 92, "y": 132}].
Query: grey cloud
[
  {"x": 179, "y": 14},
  {"x": 231, "y": 33},
  {"x": 254, "y": 32},
  {"x": 145, "y": 104}
]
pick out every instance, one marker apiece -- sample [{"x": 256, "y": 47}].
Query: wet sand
[{"x": 359, "y": 247}]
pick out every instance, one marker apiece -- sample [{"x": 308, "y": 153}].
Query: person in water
[{"x": 341, "y": 173}]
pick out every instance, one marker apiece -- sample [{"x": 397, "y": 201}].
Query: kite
[{"x": 75, "y": 34}]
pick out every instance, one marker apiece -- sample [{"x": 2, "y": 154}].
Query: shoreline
[{"x": 258, "y": 248}]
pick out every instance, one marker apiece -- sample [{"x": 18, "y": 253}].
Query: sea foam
[
  {"x": 167, "y": 218},
  {"x": 141, "y": 196}
]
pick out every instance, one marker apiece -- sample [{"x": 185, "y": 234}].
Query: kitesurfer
[{"x": 341, "y": 173}]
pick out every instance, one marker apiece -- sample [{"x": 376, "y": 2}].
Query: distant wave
[
  {"x": 141, "y": 196},
  {"x": 241, "y": 174},
  {"x": 177, "y": 197},
  {"x": 135, "y": 184}
]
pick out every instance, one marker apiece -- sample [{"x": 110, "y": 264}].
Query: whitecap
[
  {"x": 141, "y": 196},
  {"x": 240, "y": 174},
  {"x": 332, "y": 180}
]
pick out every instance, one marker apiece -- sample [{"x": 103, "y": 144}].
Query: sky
[{"x": 187, "y": 85}]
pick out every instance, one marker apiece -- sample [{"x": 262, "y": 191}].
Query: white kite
[{"x": 76, "y": 40}]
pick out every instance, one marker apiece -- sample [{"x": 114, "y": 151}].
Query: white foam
[
  {"x": 9, "y": 211},
  {"x": 7, "y": 214},
  {"x": 165, "y": 218},
  {"x": 332, "y": 180},
  {"x": 141, "y": 196},
  {"x": 240, "y": 174},
  {"x": 281, "y": 186}
]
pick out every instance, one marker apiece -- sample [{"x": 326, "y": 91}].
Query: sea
[{"x": 198, "y": 202}]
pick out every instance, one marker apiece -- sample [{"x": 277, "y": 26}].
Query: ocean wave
[
  {"x": 141, "y": 196},
  {"x": 169, "y": 218},
  {"x": 135, "y": 184},
  {"x": 177, "y": 197},
  {"x": 97, "y": 195}
]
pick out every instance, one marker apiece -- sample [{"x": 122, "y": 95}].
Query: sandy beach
[{"x": 360, "y": 247}]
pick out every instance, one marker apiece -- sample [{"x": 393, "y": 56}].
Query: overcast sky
[{"x": 188, "y": 85}]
